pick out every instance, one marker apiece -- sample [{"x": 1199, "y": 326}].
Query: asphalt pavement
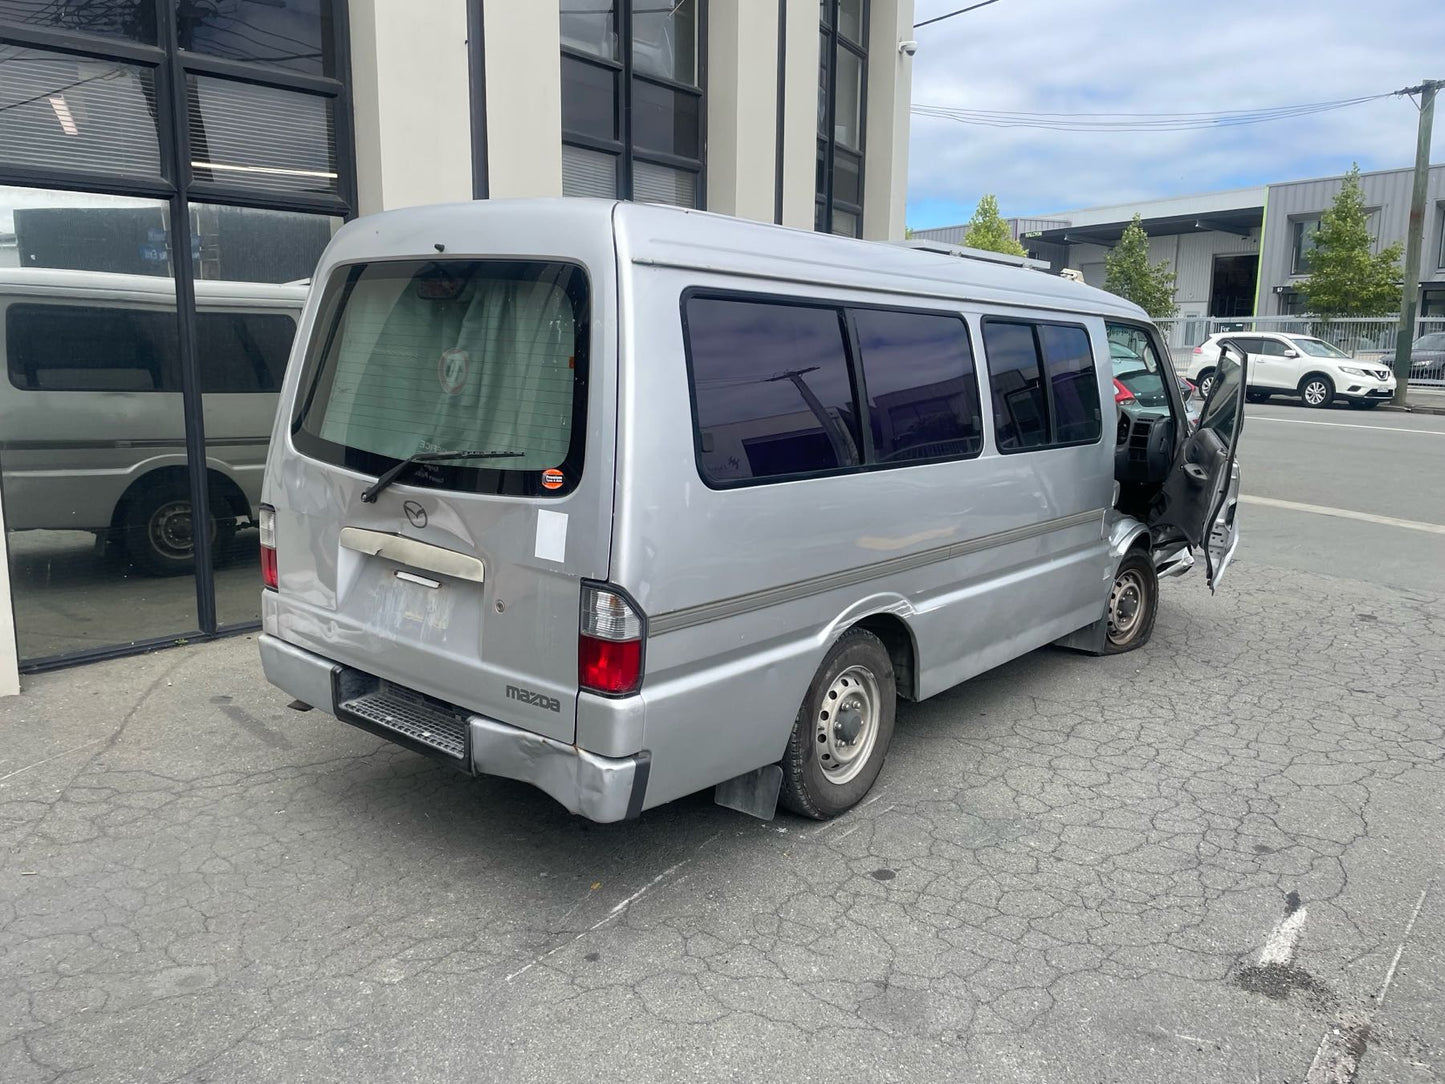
[{"x": 1217, "y": 859}]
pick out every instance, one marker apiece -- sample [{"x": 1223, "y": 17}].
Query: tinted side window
[
  {"x": 1073, "y": 384},
  {"x": 243, "y": 351},
  {"x": 1015, "y": 372},
  {"x": 922, "y": 391},
  {"x": 1272, "y": 347},
  {"x": 90, "y": 348},
  {"x": 772, "y": 396}
]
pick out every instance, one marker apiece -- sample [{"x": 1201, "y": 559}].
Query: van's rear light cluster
[
  {"x": 609, "y": 644},
  {"x": 266, "y": 520}
]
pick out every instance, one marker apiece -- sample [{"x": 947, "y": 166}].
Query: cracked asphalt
[{"x": 1069, "y": 870}]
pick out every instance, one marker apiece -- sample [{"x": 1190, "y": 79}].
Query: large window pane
[
  {"x": 922, "y": 391},
  {"x": 67, "y": 112},
  {"x": 590, "y": 26},
  {"x": 772, "y": 397},
  {"x": 1020, "y": 410},
  {"x": 848, "y": 118},
  {"x": 845, "y": 223},
  {"x": 1073, "y": 384},
  {"x": 664, "y": 39},
  {"x": 252, "y": 137},
  {"x": 92, "y": 436},
  {"x": 662, "y": 184},
  {"x": 588, "y": 173},
  {"x": 250, "y": 268},
  {"x": 665, "y": 120},
  {"x": 847, "y": 178},
  {"x": 589, "y": 99},
  {"x": 850, "y": 20},
  {"x": 294, "y": 34},
  {"x": 134, "y": 19}
]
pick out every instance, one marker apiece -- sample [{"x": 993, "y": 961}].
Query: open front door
[{"x": 1197, "y": 502}]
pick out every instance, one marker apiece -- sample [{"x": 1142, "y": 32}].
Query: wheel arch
[{"x": 221, "y": 487}]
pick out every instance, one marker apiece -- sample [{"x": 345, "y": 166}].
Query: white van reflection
[{"x": 92, "y": 431}]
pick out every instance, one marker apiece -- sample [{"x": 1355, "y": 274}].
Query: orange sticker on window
[{"x": 552, "y": 479}]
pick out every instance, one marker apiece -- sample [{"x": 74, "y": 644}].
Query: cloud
[{"x": 1159, "y": 56}]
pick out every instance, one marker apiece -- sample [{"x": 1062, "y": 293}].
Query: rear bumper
[{"x": 599, "y": 788}]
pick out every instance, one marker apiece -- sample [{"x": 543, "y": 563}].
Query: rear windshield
[{"x": 451, "y": 355}]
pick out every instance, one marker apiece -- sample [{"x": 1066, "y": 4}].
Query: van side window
[
  {"x": 243, "y": 351},
  {"x": 1045, "y": 389},
  {"x": 1073, "y": 385},
  {"x": 772, "y": 393},
  {"x": 921, "y": 388},
  {"x": 90, "y": 348},
  {"x": 1015, "y": 374}
]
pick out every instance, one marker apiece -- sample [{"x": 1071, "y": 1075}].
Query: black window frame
[
  {"x": 1050, "y": 415},
  {"x": 623, "y": 149},
  {"x": 1300, "y": 227},
  {"x": 829, "y": 149},
  {"x": 857, "y": 378},
  {"x": 175, "y": 186},
  {"x": 461, "y": 477}
]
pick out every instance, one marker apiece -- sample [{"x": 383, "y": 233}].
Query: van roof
[
  {"x": 116, "y": 286},
  {"x": 678, "y": 237}
]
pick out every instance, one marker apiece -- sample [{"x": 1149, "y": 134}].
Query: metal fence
[{"x": 1367, "y": 338}]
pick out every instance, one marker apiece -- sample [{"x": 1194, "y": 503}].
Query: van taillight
[
  {"x": 266, "y": 520},
  {"x": 609, "y": 643}
]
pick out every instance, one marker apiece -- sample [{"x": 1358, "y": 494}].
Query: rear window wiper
[{"x": 371, "y": 492}]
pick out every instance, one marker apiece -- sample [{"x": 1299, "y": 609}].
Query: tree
[
  {"x": 1128, "y": 273},
  {"x": 988, "y": 231},
  {"x": 1345, "y": 278}
]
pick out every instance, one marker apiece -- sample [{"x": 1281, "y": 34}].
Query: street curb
[{"x": 1412, "y": 409}]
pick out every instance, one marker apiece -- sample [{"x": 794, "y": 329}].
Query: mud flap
[{"x": 754, "y": 793}]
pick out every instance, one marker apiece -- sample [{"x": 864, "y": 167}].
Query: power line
[
  {"x": 1136, "y": 122},
  {"x": 951, "y": 14}
]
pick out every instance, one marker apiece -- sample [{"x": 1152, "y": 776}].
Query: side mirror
[{"x": 1291, "y": 353}]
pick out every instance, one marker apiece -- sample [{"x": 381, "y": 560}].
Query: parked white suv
[{"x": 1316, "y": 371}]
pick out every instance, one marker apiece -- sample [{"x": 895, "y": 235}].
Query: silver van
[
  {"x": 628, "y": 501},
  {"x": 92, "y": 428}
]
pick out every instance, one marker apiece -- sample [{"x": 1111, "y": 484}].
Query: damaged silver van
[{"x": 630, "y": 501}]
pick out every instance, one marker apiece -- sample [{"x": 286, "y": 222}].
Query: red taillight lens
[
  {"x": 1198, "y": 349},
  {"x": 266, "y": 520},
  {"x": 609, "y": 644},
  {"x": 1122, "y": 394},
  {"x": 608, "y": 666}
]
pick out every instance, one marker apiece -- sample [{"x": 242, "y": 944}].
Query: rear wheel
[
  {"x": 159, "y": 530},
  {"x": 843, "y": 729},
  {"x": 1133, "y": 604},
  {"x": 1317, "y": 390}
]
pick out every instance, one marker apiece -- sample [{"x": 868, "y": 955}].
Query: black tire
[
  {"x": 1133, "y": 604},
  {"x": 811, "y": 787},
  {"x": 1205, "y": 382},
  {"x": 1364, "y": 404},
  {"x": 1317, "y": 390},
  {"x": 158, "y": 530},
  {"x": 1253, "y": 396}
]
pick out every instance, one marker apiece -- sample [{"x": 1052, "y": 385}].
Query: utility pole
[{"x": 1414, "y": 236}]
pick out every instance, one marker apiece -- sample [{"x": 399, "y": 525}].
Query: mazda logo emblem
[{"x": 415, "y": 514}]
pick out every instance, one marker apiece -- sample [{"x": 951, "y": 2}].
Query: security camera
[{"x": 908, "y": 48}]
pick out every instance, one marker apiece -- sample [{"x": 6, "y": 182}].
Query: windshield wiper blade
[{"x": 371, "y": 492}]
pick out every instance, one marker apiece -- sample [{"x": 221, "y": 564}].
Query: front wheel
[
  {"x": 843, "y": 729},
  {"x": 1317, "y": 391},
  {"x": 1133, "y": 604},
  {"x": 1205, "y": 382},
  {"x": 159, "y": 532}
]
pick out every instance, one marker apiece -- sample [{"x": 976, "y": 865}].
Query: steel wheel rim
[
  {"x": 1126, "y": 606},
  {"x": 1314, "y": 393},
  {"x": 171, "y": 530},
  {"x": 845, "y": 728}
]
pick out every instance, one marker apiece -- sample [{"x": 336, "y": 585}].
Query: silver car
[{"x": 628, "y": 501}]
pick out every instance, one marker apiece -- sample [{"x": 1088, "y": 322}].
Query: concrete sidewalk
[{"x": 1423, "y": 401}]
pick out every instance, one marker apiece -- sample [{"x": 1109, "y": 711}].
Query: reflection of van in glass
[
  {"x": 92, "y": 432},
  {"x": 627, "y": 501}
]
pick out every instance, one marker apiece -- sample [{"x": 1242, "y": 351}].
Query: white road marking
[
  {"x": 1279, "y": 949},
  {"x": 1345, "y": 513},
  {"x": 1347, "y": 425},
  {"x": 57, "y": 756},
  {"x": 1399, "y": 951}
]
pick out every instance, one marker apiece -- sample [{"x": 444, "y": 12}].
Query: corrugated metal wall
[
  {"x": 1389, "y": 191},
  {"x": 1190, "y": 256}
]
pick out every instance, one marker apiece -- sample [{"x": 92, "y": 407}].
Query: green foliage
[
  {"x": 988, "y": 231},
  {"x": 1128, "y": 273},
  {"x": 1346, "y": 279}
]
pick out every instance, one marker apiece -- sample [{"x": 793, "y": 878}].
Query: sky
[{"x": 1161, "y": 56}]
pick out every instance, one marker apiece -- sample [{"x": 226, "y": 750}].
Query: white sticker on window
[{"x": 552, "y": 536}]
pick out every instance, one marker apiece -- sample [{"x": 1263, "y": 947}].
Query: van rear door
[{"x": 461, "y": 385}]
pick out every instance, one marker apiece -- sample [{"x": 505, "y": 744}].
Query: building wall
[
  {"x": 889, "y": 82},
  {"x": 1389, "y": 191},
  {"x": 1189, "y": 255}
]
